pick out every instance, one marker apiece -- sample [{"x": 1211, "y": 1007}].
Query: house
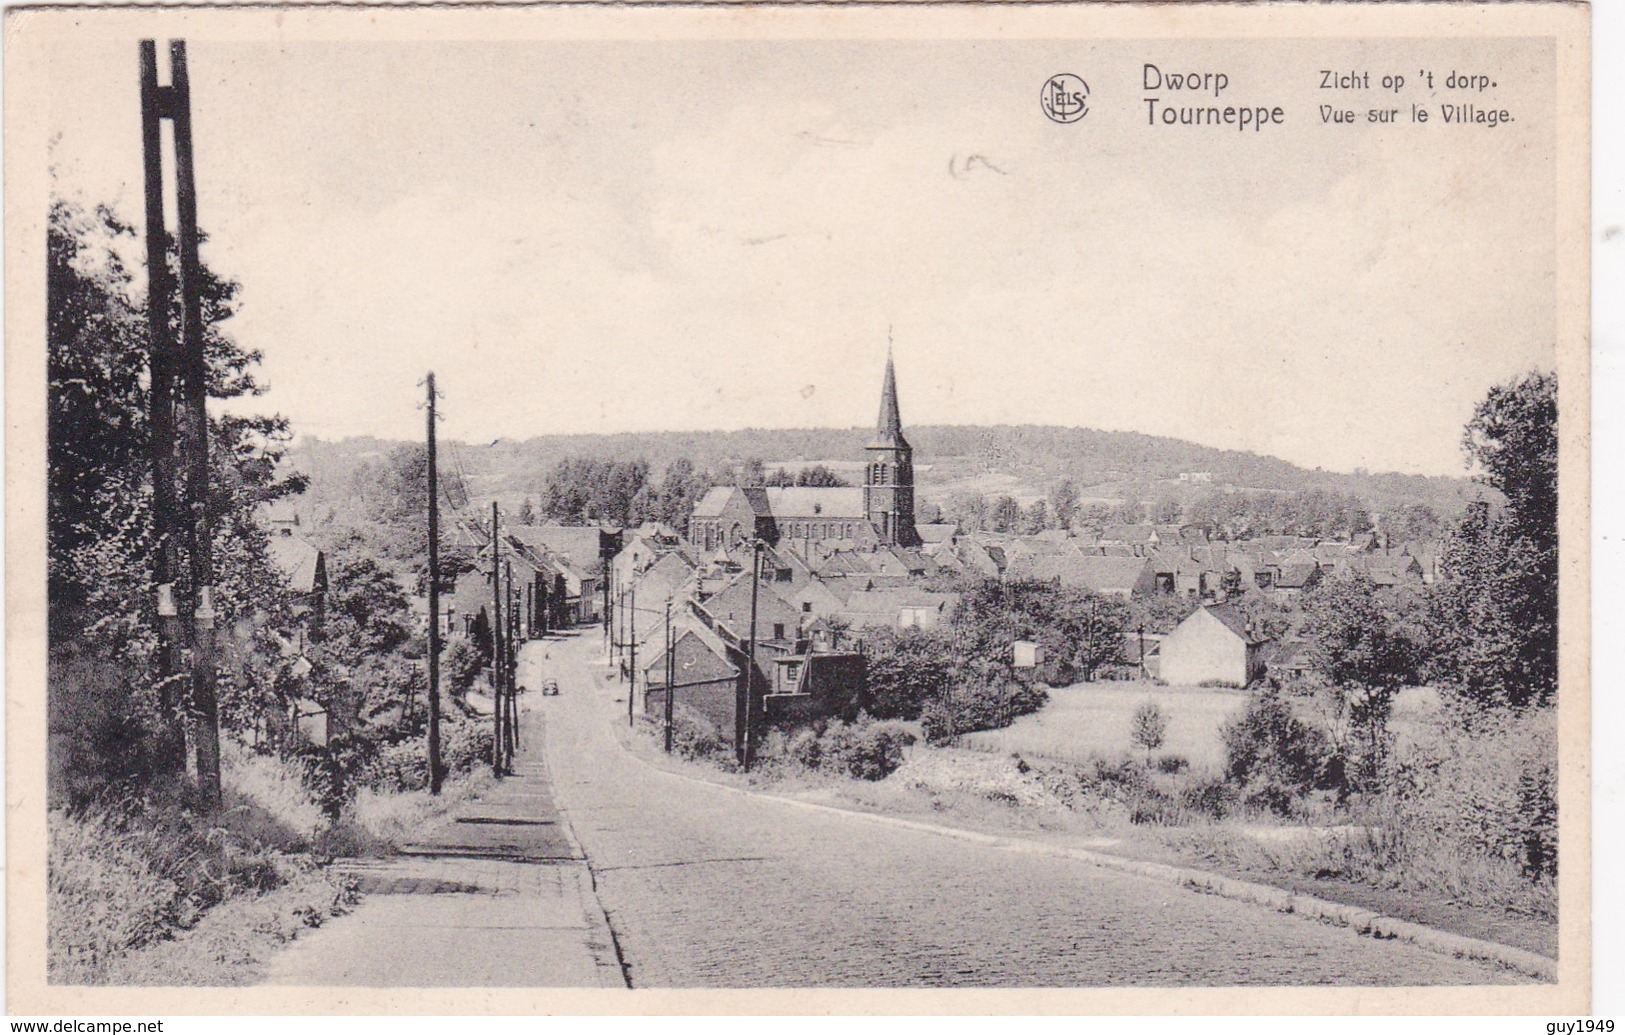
[
  {"x": 570, "y": 553},
  {"x": 1295, "y": 577},
  {"x": 902, "y": 608},
  {"x": 304, "y": 567},
  {"x": 938, "y": 537},
  {"x": 813, "y": 685},
  {"x": 706, "y": 683},
  {"x": 1112, "y": 576},
  {"x": 1213, "y": 645},
  {"x": 727, "y": 613}
]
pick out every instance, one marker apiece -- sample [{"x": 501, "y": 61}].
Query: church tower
[{"x": 888, "y": 484}]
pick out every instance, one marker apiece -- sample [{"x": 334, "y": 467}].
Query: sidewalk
[{"x": 496, "y": 895}]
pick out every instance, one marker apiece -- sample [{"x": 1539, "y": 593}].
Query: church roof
[{"x": 805, "y": 502}]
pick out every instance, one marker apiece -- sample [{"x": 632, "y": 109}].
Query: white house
[{"x": 1213, "y": 645}]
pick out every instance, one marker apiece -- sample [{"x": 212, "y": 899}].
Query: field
[{"x": 1095, "y": 719}]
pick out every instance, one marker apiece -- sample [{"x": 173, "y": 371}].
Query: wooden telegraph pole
[
  {"x": 174, "y": 103},
  {"x": 632, "y": 654},
  {"x": 434, "y": 601},
  {"x": 670, "y": 681},
  {"x": 747, "y": 752},
  {"x": 497, "y": 659},
  {"x": 161, "y": 417},
  {"x": 511, "y": 720}
]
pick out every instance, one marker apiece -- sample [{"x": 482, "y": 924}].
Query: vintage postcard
[{"x": 798, "y": 509}]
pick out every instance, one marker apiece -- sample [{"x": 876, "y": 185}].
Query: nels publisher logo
[{"x": 1065, "y": 98}]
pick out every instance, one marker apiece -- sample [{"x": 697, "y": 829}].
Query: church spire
[{"x": 889, "y": 428}]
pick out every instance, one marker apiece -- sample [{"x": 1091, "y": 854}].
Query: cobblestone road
[{"x": 707, "y": 887}]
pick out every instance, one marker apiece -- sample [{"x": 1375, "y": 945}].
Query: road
[{"x": 707, "y": 887}]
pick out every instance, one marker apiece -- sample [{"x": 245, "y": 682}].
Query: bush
[
  {"x": 980, "y": 706},
  {"x": 1486, "y": 786},
  {"x": 695, "y": 739},
  {"x": 1272, "y": 757},
  {"x": 1172, "y": 765},
  {"x": 866, "y": 749},
  {"x": 1212, "y": 798},
  {"x": 1149, "y": 727},
  {"x": 461, "y": 662}
]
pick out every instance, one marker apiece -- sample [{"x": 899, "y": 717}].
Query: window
[
  {"x": 778, "y": 630},
  {"x": 806, "y": 607}
]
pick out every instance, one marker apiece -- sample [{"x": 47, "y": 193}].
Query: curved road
[{"x": 706, "y": 887}]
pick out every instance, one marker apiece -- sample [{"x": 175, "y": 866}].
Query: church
[{"x": 879, "y": 513}]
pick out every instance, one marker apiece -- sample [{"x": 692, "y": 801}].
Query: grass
[
  {"x": 377, "y": 823},
  {"x": 1090, "y": 720},
  {"x": 145, "y": 889},
  {"x": 234, "y": 941},
  {"x": 1095, "y": 720}
]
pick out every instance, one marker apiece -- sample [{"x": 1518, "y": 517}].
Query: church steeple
[
  {"x": 888, "y": 488},
  {"x": 889, "y": 428}
]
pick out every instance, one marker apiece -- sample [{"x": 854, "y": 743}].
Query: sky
[{"x": 622, "y": 236}]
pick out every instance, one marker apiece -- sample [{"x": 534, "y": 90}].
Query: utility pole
[
  {"x": 497, "y": 657},
  {"x": 434, "y": 600},
  {"x": 161, "y": 416},
  {"x": 747, "y": 754},
  {"x": 671, "y": 681},
  {"x": 195, "y": 393},
  {"x": 632, "y": 657},
  {"x": 512, "y": 723},
  {"x": 603, "y": 563}
]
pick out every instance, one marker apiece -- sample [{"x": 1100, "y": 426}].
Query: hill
[{"x": 1022, "y": 461}]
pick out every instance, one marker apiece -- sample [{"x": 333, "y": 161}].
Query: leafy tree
[
  {"x": 1149, "y": 728},
  {"x": 1494, "y": 612},
  {"x": 1166, "y": 512},
  {"x": 1006, "y": 515},
  {"x": 527, "y": 512},
  {"x": 1272, "y": 756},
  {"x": 1063, "y": 502},
  {"x": 1037, "y": 518},
  {"x": 752, "y": 472},
  {"x": 99, "y": 520},
  {"x": 1513, "y": 439},
  {"x": 1357, "y": 649},
  {"x": 906, "y": 670}
]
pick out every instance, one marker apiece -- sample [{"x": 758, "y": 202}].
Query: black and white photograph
[{"x": 507, "y": 509}]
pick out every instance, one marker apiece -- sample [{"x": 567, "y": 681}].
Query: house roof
[
  {"x": 1230, "y": 616},
  {"x": 1085, "y": 571},
  {"x": 890, "y": 601},
  {"x": 1296, "y": 576},
  {"x": 714, "y": 500},
  {"x": 937, "y": 532},
  {"x": 299, "y": 561},
  {"x": 577, "y": 544},
  {"x": 1128, "y": 533},
  {"x": 711, "y": 664}
]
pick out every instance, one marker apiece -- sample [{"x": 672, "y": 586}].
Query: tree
[
  {"x": 1149, "y": 728},
  {"x": 527, "y": 512},
  {"x": 1493, "y": 614},
  {"x": 680, "y": 488},
  {"x": 99, "y": 531},
  {"x": 1037, "y": 518},
  {"x": 1513, "y": 439},
  {"x": 1357, "y": 649},
  {"x": 1063, "y": 503},
  {"x": 1006, "y": 515}
]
